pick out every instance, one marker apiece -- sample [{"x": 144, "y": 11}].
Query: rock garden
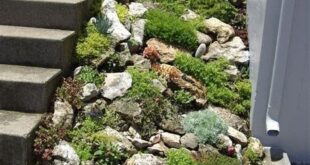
[{"x": 155, "y": 82}]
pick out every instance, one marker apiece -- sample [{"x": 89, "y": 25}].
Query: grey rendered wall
[{"x": 294, "y": 116}]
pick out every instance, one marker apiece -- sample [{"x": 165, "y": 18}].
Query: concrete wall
[{"x": 268, "y": 39}]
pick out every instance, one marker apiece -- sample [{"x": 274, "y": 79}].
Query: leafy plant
[
  {"x": 92, "y": 44},
  {"x": 69, "y": 92},
  {"x": 209, "y": 158},
  {"x": 90, "y": 75},
  {"x": 170, "y": 28},
  {"x": 182, "y": 97},
  {"x": 205, "y": 125},
  {"x": 122, "y": 12},
  {"x": 179, "y": 157}
]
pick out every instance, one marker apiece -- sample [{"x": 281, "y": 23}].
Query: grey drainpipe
[{"x": 279, "y": 69}]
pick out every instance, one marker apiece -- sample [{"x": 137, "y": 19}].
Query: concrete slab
[
  {"x": 16, "y": 137},
  {"x": 27, "y": 89}
]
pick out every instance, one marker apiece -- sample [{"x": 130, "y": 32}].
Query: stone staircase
[{"x": 37, "y": 40}]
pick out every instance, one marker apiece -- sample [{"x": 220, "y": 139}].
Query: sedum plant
[
  {"x": 205, "y": 125},
  {"x": 171, "y": 29},
  {"x": 89, "y": 75},
  {"x": 179, "y": 157},
  {"x": 122, "y": 12}
]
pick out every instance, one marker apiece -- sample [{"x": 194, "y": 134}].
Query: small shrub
[
  {"x": 95, "y": 7},
  {"x": 179, "y": 157},
  {"x": 90, "y": 75},
  {"x": 91, "y": 144},
  {"x": 205, "y": 125},
  {"x": 47, "y": 137},
  {"x": 217, "y": 159},
  {"x": 251, "y": 157},
  {"x": 91, "y": 44},
  {"x": 168, "y": 27},
  {"x": 122, "y": 12},
  {"x": 182, "y": 97},
  {"x": 69, "y": 92}
]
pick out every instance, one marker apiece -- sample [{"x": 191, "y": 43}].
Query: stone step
[
  {"x": 27, "y": 89},
  {"x": 36, "y": 46},
  {"x": 55, "y": 14},
  {"x": 16, "y": 137}
]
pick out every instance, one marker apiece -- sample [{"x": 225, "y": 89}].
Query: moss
[
  {"x": 251, "y": 157},
  {"x": 122, "y": 12},
  {"x": 92, "y": 44},
  {"x": 90, "y": 75},
  {"x": 182, "y": 97},
  {"x": 168, "y": 27},
  {"x": 232, "y": 95},
  {"x": 209, "y": 158},
  {"x": 179, "y": 157},
  {"x": 205, "y": 125}
]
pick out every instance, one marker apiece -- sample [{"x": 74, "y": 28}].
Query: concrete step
[
  {"x": 36, "y": 46},
  {"x": 27, "y": 89},
  {"x": 16, "y": 137},
  {"x": 55, "y": 14},
  {"x": 275, "y": 156}
]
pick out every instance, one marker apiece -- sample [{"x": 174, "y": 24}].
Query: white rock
[
  {"x": 116, "y": 85},
  {"x": 66, "y": 154},
  {"x": 77, "y": 71},
  {"x": 232, "y": 71},
  {"x": 171, "y": 140},
  {"x": 158, "y": 149},
  {"x": 237, "y": 136},
  {"x": 189, "y": 15},
  {"x": 203, "y": 38},
  {"x": 190, "y": 141},
  {"x": 224, "y": 31},
  {"x": 201, "y": 50},
  {"x": 134, "y": 133},
  {"x": 144, "y": 159},
  {"x": 159, "y": 85},
  {"x": 137, "y": 30},
  {"x": 230, "y": 50},
  {"x": 63, "y": 114},
  {"x": 238, "y": 149},
  {"x": 223, "y": 142},
  {"x": 89, "y": 91},
  {"x": 118, "y": 31},
  {"x": 136, "y": 9},
  {"x": 155, "y": 139}
]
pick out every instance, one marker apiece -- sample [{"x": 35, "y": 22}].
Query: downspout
[{"x": 279, "y": 69}]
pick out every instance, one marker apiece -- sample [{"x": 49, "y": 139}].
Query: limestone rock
[
  {"x": 136, "y": 9},
  {"x": 95, "y": 109},
  {"x": 237, "y": 136},
  {"x": 140, "y": 144},
  {"x": 171, "y": 140},
  {"x": 116, "y": 85},
  {"x": 158, "y": 149},
  {"x": 229, "y": 118},
  {"x": 65, "y": 154},
  {"x": 118, "y": 31},
  {"x": 89, "y": 91},
  {"x": 134, "y": 133},
  {"x": 167, "y": 52},
  {"x": 207, "y": 148},
  {"x": 137, "y": 30},
  {"x": 224, "y": 31},
  {"x": 232, "y": 71},
  {"x": 223, "y": 142},
  {"x": 232, "y": 50},
  {"x": 140, "y": 62},
  {"x": 128, "y": 109},
  {"x": 203, "y": 38},
  {"x": 158, "y": 84},
  {"x": 189, "y": 15},
  {"x": 63, "y": 114},
  {"x": 172, "y": 123},
  {"x": 155, "y": 139},
  {"x": 201, "y": 50},
  {"x": 190, "y": 141},
  {"x": 145, "y": 159},
  {"x": 122, "y": 141}
]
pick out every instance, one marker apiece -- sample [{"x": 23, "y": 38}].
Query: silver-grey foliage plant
[{"x": 205, "y": 125}]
